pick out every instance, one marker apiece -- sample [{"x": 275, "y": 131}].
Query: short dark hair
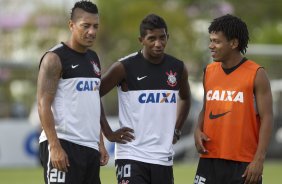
[
  {"x": 150, "y": 22},
  {"x": 87, "y": 6},
  {"x": 233, "y": 28}
]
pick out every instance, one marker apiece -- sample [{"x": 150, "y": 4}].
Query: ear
[
  {"x": 234, "y": 43},
  {"x": 167, "y": 36},
  {"x": 71, "y": 24},
  {"x": 140, "y": 40}
]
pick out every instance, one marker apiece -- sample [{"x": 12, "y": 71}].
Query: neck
[
  {"x": 153, "y": 60},
  {"x": 75, "y": 46},
  {"x": 232, "y": 61}
]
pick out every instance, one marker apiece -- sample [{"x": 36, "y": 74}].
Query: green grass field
[{"x": 183, "y": 174}]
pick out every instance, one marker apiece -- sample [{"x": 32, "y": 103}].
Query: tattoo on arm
[{"x": 49, "y": 75}]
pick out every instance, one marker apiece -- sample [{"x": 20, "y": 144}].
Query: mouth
[
  {"x": 159, "y": 51},
  {"x": 90, "y": 39},
  {"x": 213, "y": 53}
]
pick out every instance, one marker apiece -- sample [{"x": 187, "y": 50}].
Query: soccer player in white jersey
[
  {"x": 154, "y": 101},
  {"x": 71, "y": 145}
]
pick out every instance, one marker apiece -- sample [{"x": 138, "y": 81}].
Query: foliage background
[{"x": 29, "y": 28}]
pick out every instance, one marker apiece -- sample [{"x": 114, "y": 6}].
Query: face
[
  {"x": 154, "y": 43},
  {"x": 220, "y": 47},
  {"x": 84, "y": 29}
]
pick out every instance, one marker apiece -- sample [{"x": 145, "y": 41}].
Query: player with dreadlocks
[{"x": 235, "y": 124}]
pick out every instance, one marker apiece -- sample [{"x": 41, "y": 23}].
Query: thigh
[
  {"x": 161, "y": 174},
  {"x": 52, "y": 175},
  {"x": 205, "y": 172},
  {"x": 236, "y": 170},
  {"x": 220, "y": 171},
  {"x": 93, "y": 167},
  {"x": 130, "y": 171}
]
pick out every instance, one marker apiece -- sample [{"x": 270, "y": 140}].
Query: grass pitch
[{"x": 183, "y": 174}]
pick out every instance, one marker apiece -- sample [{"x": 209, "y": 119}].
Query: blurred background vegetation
[{"x": 29, "y": 28}]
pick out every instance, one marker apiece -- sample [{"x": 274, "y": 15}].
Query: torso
[
  {"x": 76, "y": 106},
  {"x": 149, "y": 107},
  {"x": 231, "y": 120}
]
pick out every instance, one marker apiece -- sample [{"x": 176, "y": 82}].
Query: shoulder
[
  {"x": 117, "y": 65},
  {"x": 50, "y": 60},
  {"x": 251, "y": 65},
  {"x": 175, "y": 63},
  {"x": 129, "y": 57},
  {"x": 59, "y": 46},
  {"x": 171, "y": 58},
  {"x": 52, "y": 52},
  {"x": 92, "y": 52},
  {"x": 213, "y": 65}
]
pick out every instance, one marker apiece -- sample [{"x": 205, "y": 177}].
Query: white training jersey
[
  {"x": 149, "y": 108},
  {"x": 76, "y": 106}
]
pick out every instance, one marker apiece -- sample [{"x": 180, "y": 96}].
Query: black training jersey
[
  {"x": 149, "y": 107},
  {"x": 76, "y": 106}
]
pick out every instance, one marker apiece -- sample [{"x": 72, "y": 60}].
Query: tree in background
[{"x": 187, "y": 20}]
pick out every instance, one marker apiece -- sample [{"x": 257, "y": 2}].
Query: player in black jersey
[{"x": 154, "y": 100}]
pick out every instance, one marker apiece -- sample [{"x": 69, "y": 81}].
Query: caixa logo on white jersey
[
  {"x": 88, "y": 85},
  {"x": 224, "y": 95},
  {"x": 157, "y": 98}
]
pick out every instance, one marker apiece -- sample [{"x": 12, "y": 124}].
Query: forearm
[
  {"x": 107, "y": 131},
  {"x": 200, "y": 122},
  {"x": 105, "y": 127},
  {"x": 264, "y": 138},
  {"x": 183, "y": 109},
  {"x": 101, "y": 139},
  {"x": 48, "y": 125}
]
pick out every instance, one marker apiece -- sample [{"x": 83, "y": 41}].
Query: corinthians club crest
[
  {"x": 171, "y": 79},
  {"x": 96, "y": 68}
]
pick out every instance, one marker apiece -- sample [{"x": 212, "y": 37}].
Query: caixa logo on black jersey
[
  {"x": 157, "y": 98},
  {"x": 90, "y": 85}
]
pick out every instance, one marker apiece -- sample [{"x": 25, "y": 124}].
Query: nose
[
  {"x": 211, "y": 45},
  {"x": 92, "y": 31},
  {"x": 158, "y": 43}
]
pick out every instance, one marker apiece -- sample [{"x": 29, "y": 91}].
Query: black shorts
[
  {"x": 135, "y": 172},
  {"x": 220, "y": 171},
  {"x": 84, "y": 165}
]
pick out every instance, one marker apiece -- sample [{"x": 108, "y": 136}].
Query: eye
[
  {"x": 96, "y": 26},
  {"x": 151, "y": 38},
  {"x": 163, "y": 38},
  {"x": 85, "y": 26},
  {"x": 214, "y": 41}
]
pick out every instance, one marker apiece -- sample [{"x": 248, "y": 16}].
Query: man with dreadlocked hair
[{"x": 235, "y": 124}]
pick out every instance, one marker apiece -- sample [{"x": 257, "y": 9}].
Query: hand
[
  {"x": 175, "y": 139},
  {"x": 59, "y": 158},
  {"x": 122, "y": 135},
  {"x": 104, "y": 155},
  {"x": 253, "y": 172},
  {"x": 200, "y": 138}
]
